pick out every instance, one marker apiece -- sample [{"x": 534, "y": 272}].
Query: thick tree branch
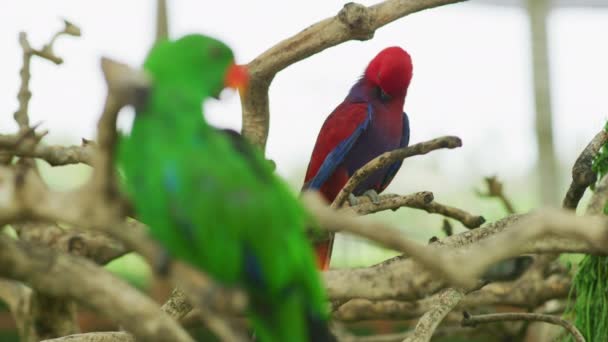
[
  {"x": 582, "y": 174},
  {"x": 415, "y": 281},
  {"x": 447, "y": 263},
  {"x": 354, "y": 21},
  {"x": 389, "y": 158},
  {"x": 525, "y": 293},
  {"x": 469, "y": 320}
]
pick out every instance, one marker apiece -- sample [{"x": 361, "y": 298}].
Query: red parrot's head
[{"x": 391, "y": 71}]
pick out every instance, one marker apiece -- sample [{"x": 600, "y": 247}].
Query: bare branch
[
  {"x": 377, "y": 282},
  {"x": 445, "y": 302},
  {"x": 55, "y": 274},
  {"x": 96, "y": 337},
  {"x": 469, "y": 320},
  {"x": 447, "y": 227},
  {"x": 389, "y": 158},
  {"x": 123, "y": 84},
  {"x": 18, "y": 298},
  {"x": 55, "y": 155},
  {"x": 468, "y": 220},
  {"x": 380, "y": 233},
  {"x": 582, "y": 174},
  {"x": 24, "y": 95},
  {"x": 162, "y": 20},
  {"x": 495, "y": 189},
  {"x": 525, "y": 293},
  {"x": 388, "y": 202},
  {"x": 177, "y": 306},
  {"x": 354, "y": 21},
  {"x": 419, "y": 200},
  {"x": 89, "y": 244}
]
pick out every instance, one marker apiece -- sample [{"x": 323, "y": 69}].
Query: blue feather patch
[
  {"x": 180, "y": 218},
  {"x": 336, "y": 156},
  {"x": 253, "y": 269},
  {"x": 394, "y": 168}
]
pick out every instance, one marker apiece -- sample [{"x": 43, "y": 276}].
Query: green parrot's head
[{"x": 195, "y": 63}]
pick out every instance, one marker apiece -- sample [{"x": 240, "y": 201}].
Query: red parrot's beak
[{"x": 237, "y": 77}]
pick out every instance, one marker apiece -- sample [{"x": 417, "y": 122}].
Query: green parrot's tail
[
  {"x": 290, "y": 321},
  {"x": 590, "y": 309}
]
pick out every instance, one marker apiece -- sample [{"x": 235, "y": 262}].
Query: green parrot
[{"x": 212, "y": 200}]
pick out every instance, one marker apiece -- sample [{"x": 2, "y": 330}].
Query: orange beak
[{"x": 237, "y": 77}]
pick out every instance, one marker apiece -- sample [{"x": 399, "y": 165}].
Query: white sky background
[{"x": 472, "y": 75}]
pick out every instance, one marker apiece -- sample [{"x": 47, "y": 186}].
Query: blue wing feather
[
  {"x": 181, "y": 220},
  {"x": 336, "y": 156},
  {"x": 394, "y": 168}
]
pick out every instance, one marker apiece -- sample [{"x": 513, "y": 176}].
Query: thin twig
[
  {"x": 419, "y": 200},
  {"x": 447, "y": 227},
  {"x": 469, "y": 320},
  {"x": 389, "y": 158},
  {"x": 468, "y": 220},
  {"x": 495, "y": 189},
  {"x": 24, "y": 95}
]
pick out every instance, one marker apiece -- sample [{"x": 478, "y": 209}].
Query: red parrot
[{"x": 369, "y": 122}]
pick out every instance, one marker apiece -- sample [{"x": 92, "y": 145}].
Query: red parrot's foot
[
  {"x": 372, "y": 195},
  {"x": 352, "y": 200}
]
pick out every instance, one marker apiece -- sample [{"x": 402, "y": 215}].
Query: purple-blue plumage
[{"x": 386, "y": 131}]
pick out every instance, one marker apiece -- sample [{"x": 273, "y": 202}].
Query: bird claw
[
  {"x": 352, "y": 200},
  {"x": 162, "y": 264},
  {"x": 372, "y": 195}
]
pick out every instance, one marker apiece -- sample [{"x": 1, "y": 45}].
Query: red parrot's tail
[{"x": 323, "y": 251}]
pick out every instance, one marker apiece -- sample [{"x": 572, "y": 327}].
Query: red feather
[{"x": 339, "y": 125}]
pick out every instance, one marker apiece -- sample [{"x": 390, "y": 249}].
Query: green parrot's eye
[{"x": 215, "y": 52}]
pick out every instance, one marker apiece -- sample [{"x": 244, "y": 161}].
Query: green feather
[
  {"x": 214, "y": 202},
  {"x": 590, "y": 308}
]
